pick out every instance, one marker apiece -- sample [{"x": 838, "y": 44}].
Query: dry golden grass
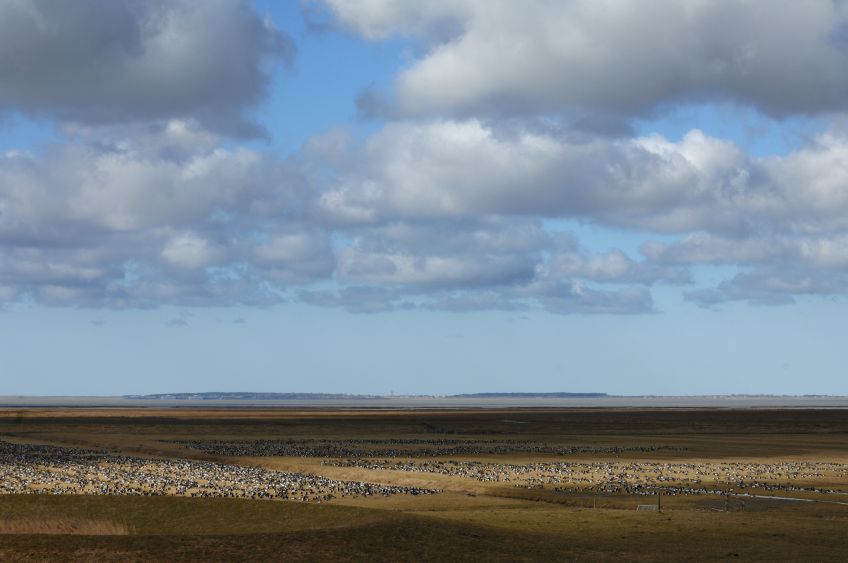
[
  {"x": 443, "y": 529},
  {"x": 63, "y": 526}
]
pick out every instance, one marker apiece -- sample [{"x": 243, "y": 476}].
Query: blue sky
[{"x": 440, "y": 197}]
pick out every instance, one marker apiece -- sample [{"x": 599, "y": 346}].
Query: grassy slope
[{"x": 181, "y": 529}]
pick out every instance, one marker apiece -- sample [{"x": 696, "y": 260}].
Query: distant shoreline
[
  {"x": 435, "y": 402},
  {"x": 250, "y": 396}
]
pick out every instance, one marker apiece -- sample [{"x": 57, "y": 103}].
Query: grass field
[{"x": 803, "y": 454}]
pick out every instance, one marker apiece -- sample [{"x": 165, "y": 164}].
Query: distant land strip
[
  {"x": 247, "y": 396},
  {"x": 529, "y": 396}
]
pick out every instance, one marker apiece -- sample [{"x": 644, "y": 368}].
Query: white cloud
[
  {"x": 619, "y": 57},
  {"x": 466, "y": 168},
  {"x": 187, "y": 250},
  {"x": 778, "y": 285},
  {"x": 138, "y": 182},
  {"x": 143, "y": 201},
  {"x": 444, "y": 253},
  {"x": 379, "y": 19},
  {"x": 296, "y": 257},
  {"x": 168, "y": 215},
  {"x": 164, "y": 214},
  {"x": 161, "y": 214},
  {"x": 469, "y": 168},
  {"x": 787, "y": 213},
  {"x": 569, "y": 261},
  {"x": 119, "y": 61}
]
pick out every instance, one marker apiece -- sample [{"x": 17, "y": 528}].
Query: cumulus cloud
[
  {"x": 704, "y": 248},
  {"x": 777, "y": 285},
  {"x": 507, "y": 115},
  {"x": 421, "y": 169},
  {"x": 120, "y": 61},
  {"x": 296, "y": 256},
  {"x": 784, "y": 213},
  {"x": 150, "y": 218},
  {"x": 189, "y": 251},
  {"x": 167, "y": 213},
  {"x": 444, "y": 253},
  {"x": 775, "y": 269},
  {"x": 611, "y": 57},
  {"x": 141, "y": 181},
  {"x": 820, "y": 252},
  {"x": 475, "y": 264},
  {"x": 570, "y": 261},
  {"x": 379, "y": 19}
]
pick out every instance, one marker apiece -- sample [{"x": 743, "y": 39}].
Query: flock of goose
[
  {"x": 61, "y": 470},
  {"x": 645, "y": 478},
  {"x": 64, "y": 470}
]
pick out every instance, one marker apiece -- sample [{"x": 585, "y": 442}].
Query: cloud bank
[{"x": 508, "y": 122}]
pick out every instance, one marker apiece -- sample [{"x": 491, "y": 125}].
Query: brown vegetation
[
  {"x": 62, "y": 526},
  {"x": 472, "y": 519}
]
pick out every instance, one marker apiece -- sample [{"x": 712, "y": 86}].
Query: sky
[{"x": 401, "y": 197}]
